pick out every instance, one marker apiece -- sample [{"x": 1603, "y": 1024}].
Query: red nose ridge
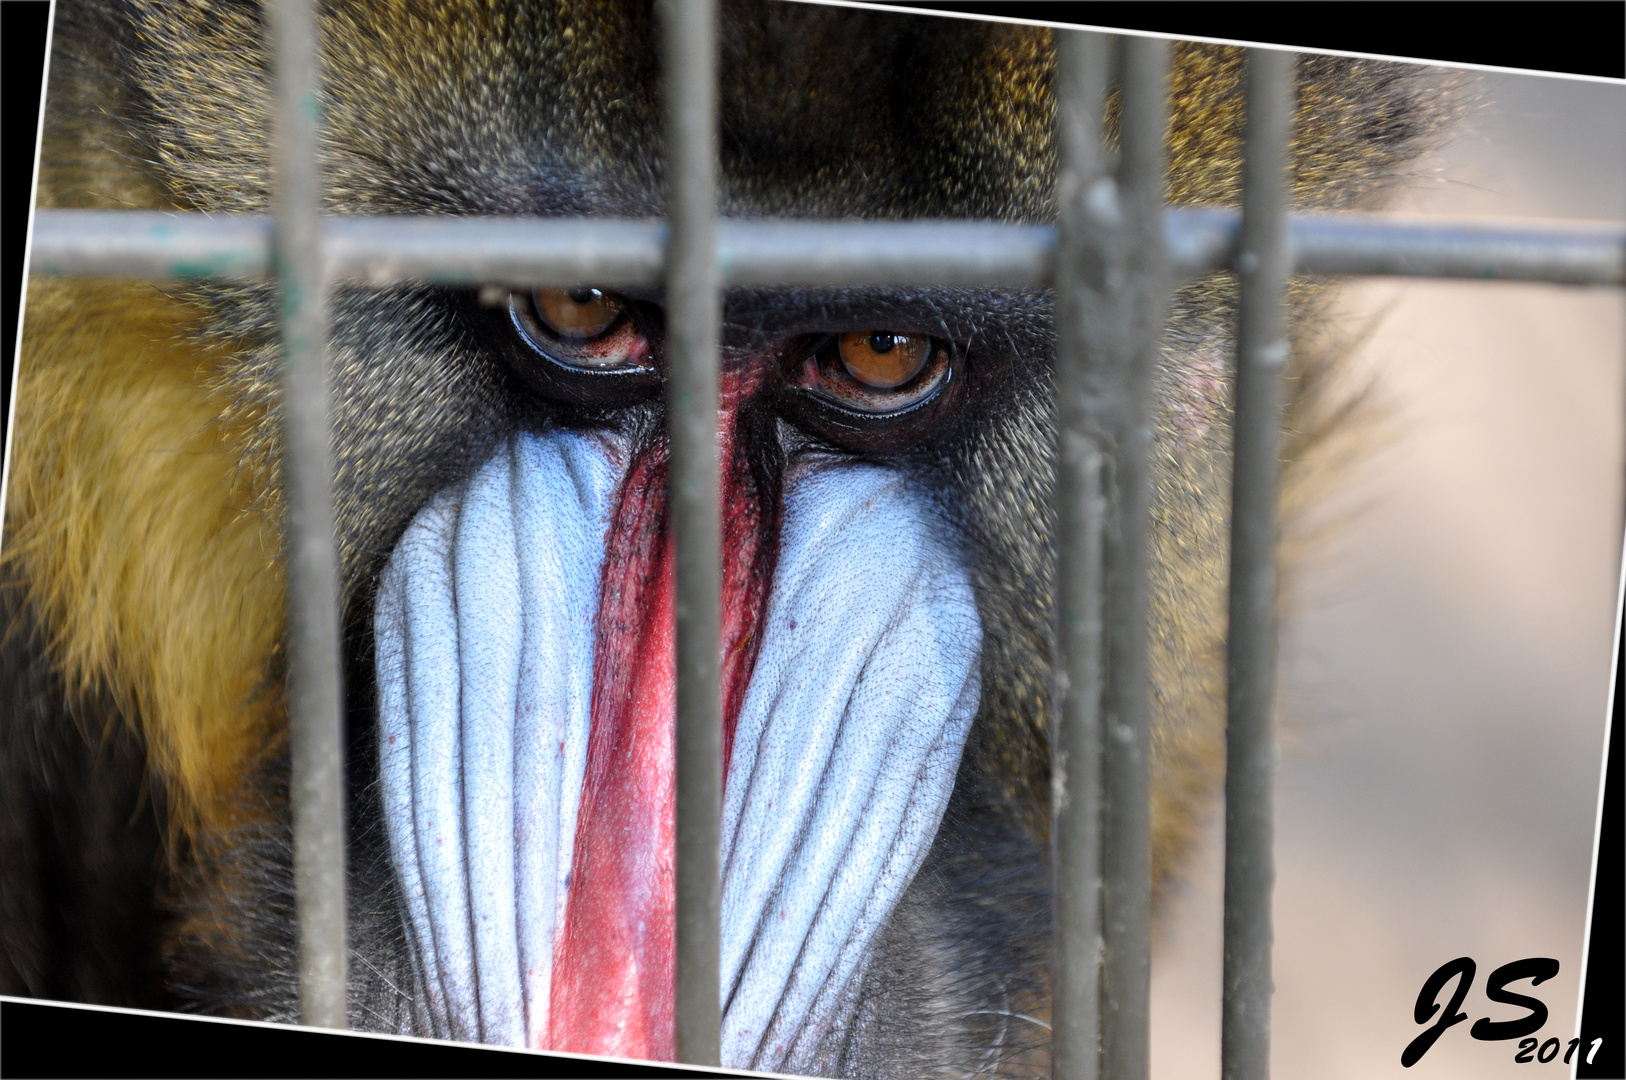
[{"x": 612, "y": 989}]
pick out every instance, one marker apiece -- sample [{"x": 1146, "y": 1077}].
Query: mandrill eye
[
  {"x": 577, "y": 314},
  {"x": 581, "y": 328},
  {"x": 872, "y": 391},
  {"x": 883, "y": 360},
  {"x": 875, "y": 372},
  {"x": 584, "y": 346}
]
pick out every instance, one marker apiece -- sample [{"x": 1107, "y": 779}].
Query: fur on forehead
[{"x": 553, "y": 108}]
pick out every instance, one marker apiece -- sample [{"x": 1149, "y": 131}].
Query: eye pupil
[
  {"x": 883, "y": 360},
  {"x": 577, "y": 314}
]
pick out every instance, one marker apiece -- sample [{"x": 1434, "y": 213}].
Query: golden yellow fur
[{"x": 152, "y": 562}]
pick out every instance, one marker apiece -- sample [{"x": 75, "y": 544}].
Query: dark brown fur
[{"x": 549, "y": 108}]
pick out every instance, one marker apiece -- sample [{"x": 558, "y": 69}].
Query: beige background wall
[{"x": 1446, "y": 665}]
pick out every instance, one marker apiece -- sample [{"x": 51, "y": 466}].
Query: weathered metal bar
[
  {"x": 955, "y": 253},
  {"x": 1126, "y": 823},
  {"x": 153, "y": 245},
  {"x": 1262, "y": 350},
  {"x": 517, "y": 251},
  {"x": 314, "y": 693},
  {"x": 610, "y": 252},
  {"x": 689, "y": 105},
  {"x": 1082, "y": 70},
  {"x": 1581, "y": 254}
]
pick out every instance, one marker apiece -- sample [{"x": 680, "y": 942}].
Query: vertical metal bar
[
  {"x": 1263, "y": 265},
  {"x": 689, "y": 100},
  {"x": 1126, "y": 759},
  {"x": 314, "y": 692},
  {"x": 1082, "y": 70}
]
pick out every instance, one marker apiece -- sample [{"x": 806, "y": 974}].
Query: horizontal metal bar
[
  {"x": 1592, "y": 254},
  {"x": 148, "y": 244},
  {"x": 471, "y": 251},
  {"x": 964, "y": 253},
  {"x": 610, "y": 252}
]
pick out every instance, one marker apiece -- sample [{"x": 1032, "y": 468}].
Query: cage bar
[
  {"x": 316, "y": 751},
  {"x": 1082, "y": 70},
  {"x": 1250, "y": 733},
  {"x": 1126, "y": 820},
  {"x": 159, "y": 245},
  {"x": 689, "y": 105}
]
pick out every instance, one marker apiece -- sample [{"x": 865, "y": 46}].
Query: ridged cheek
[
  {"x": 507, "y": 641},
  {"x": 845, "y": 753},
  {"x": 485, "y": 640}
]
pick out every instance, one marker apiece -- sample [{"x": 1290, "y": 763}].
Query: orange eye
[
  {"x": 884, "y": 360},
  {"x": 878, "y": 372},
  {"x": 577, "y": 314},
  {"x": 872, "y": 390},
  {"x": 583, "y": 327}
]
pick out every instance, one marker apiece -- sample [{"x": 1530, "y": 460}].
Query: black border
[
  {"x": 1579, "y": 37},
  {"x": 1603, "y": 992},
  {"x": 1571, "y": 37},
  {"x": 23, "y": 25},
  {"x": 49, "y": 1039}
]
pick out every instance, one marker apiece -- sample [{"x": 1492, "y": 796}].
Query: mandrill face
[{"x": 524, "y": 630}]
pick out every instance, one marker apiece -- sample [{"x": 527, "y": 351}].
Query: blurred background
[{"x": 1446, "y": 656}]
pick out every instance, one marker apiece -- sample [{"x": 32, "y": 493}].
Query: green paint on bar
[{"x": 231, "y": 265}]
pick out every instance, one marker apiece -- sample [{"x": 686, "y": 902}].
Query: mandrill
[{"x": 500, "y": 463}]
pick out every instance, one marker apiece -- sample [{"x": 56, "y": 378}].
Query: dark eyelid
[
  {"x": 848, "y": 425},
  {"x": 826, "y": 402},
  {"x": 541, "y": 369}
]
